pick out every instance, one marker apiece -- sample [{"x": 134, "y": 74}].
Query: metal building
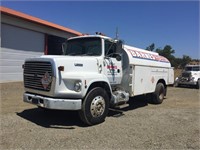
[{"x": 24, "y": 36}]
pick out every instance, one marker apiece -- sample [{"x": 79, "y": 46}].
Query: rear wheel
[
  {"x": 95, "y": 107},
  {"x": 158, "y": 95}
]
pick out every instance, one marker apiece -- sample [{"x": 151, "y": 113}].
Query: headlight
[{"x": 77, "y": 86}]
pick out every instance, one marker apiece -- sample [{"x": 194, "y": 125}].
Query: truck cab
[
  {"x": 106, "y": 51},
  {"x": 190, "y": 76},
  {"x": 95, "y": 73}
]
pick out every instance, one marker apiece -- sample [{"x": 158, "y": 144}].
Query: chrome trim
[
  {"x": 47, "y": 93},
  {"x": 34, "y": 72},
  {"x": 53, "y": 103}
]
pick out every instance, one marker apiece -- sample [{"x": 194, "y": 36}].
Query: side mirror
[
  {"x": 118, "y": 57},
  {"x": 119, "y": 46}
]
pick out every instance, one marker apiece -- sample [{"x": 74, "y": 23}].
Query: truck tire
[
  {"x": 158, "y": 95},
  {"x": 198, "y": 84},
  {"x": 95, "y": 107},
  {"x": 176, "y": 84}
]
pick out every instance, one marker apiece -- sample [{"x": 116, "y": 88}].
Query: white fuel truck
[
  {"x": 95, "y": 73},
  {"x": 190, "y": 76}
]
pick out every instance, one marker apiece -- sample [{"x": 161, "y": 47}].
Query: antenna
[{"x": 117, "y": 33}]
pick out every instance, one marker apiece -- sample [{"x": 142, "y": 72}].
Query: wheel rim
[
  {"x": 161, "y": 95},
  {"x": 97, "y": 107}
]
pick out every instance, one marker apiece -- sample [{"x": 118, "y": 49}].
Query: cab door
[{"x": 113, "y": 65}]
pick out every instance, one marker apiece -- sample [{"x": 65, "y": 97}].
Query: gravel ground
[{"x": 175, "y": 124}]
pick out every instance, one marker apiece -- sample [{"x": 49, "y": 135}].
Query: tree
[
  {"x": 185, "y": 60},
  {"x": 167, "y": 52},
  {"x": 151, "y": 47},
  {"x": 177, "y": 63}
]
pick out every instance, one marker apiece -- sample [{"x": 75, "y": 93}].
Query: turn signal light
[{"x": 61, "y": 68}]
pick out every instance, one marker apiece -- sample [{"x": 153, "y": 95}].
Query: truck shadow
[
  {"x": 52, "y": 118},
  {"x": 187, "y": 86},
  {"x": 70, "y": 119},
  {"x": 134, "y": 103}
]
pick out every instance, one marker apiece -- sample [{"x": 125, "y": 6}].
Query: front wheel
[
  {"x": 159, "y": 94},
  {"x": 198, "y": 84},
  {"x": 95, "y": 107},
  {"x": 176, "y": 84}
]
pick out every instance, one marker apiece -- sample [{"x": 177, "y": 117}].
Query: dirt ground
[{"x": 174, "y": 124}]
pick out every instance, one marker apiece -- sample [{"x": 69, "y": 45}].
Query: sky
[{"x": 139, "y": 23}]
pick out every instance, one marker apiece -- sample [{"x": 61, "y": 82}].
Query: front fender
[
  {"x": 65, "y": 84},
  {"x": 97, "y": 80}
]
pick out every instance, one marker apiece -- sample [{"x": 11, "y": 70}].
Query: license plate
[{"x": 35, "y": 101}]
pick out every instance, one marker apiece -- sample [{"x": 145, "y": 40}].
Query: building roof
[{"x": 18, "y": 14}]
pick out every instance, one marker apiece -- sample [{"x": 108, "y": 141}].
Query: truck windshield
[
  {"x": 83, "y": 47},
  {"x": 192, "y": 68}
]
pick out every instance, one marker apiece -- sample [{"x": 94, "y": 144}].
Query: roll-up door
[{"x": 17, "y": 44}]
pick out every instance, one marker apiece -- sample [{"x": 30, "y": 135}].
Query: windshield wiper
[
  {"x": 72, "y": 54},
  {"x": 88, "y": 54}
]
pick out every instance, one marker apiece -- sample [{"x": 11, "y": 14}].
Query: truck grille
[
  {"x": 38, "y": 75},
  {"x": 186, "y": 74}
]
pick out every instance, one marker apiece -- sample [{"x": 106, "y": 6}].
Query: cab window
[
  {"x": 196, "y": 68},
  {"x": 83, "y": 47},
  {"x": 110, "y": 48}
]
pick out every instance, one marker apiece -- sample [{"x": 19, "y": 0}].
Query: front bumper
[
  {"x": 187, "y": 83},
  {"x": 53, "y": 103}
]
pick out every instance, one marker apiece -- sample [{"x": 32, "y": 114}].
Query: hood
[{"x": 71, "y": 63}]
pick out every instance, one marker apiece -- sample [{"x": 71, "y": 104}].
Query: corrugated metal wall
[{"x": 16, "y": 45}]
